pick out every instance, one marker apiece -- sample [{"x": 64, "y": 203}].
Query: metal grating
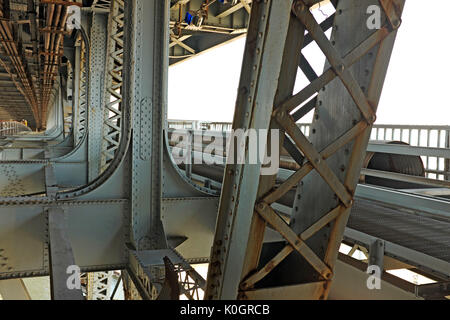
[{"x": 422, "y": 234}]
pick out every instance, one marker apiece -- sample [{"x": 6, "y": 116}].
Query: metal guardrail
[
  {"x": 431, "y": 143},
  {"x": 10, "y": 128},
  {"x": 436, "y": 138}
]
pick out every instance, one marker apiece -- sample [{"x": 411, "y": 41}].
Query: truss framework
[
  {"x": 284, "y": 117},
  {"x": 80, "y": 123},
  {"x": 113, "y": 84},
  {"x": 99, "y": 285}
]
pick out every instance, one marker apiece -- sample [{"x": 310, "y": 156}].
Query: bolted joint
[
  {"x": 396, "y": 23},
  {"x": 244, "y": 286},
  {"x": 298, "y": 6},
  {"x": 280, "y": 115},
  {"x": 328, "y": 275},
  {"x": 372, "y": 119},
  {"x": 260, "y": 206}
]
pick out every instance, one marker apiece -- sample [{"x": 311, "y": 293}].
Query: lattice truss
[
  {"x": 80, "y": 125},
  {"x": 99, "y": 285},
  {"x": 170, "y": 281},
  {"x": 311, "y": 160},
  {"x": 101, "y": 4},
  {"x": 113, "y": 83},
  {"x": 192, "y": 285}
]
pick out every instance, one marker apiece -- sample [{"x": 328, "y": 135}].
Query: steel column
[
  {"x": 61, "y": 257},
  {"x": 97, "y": 64},
  {"x": 320, "y": 211},
  {"x": 147, "y": 91},
  {"x": 261, "y": 67}
]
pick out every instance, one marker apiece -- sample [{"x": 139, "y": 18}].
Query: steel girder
[
  {"x": 60, "y": 256},
  {"x": 96, "y": 98},
  {"x": 357, "y": 59},
  {"x": 117, "y": 206},
  {"x": 262, "y": 65},
  {"x": 145, "y": 89}
]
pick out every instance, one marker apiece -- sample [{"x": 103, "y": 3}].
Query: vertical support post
[
  {"x": 61, "y": 257},
  {"x": 146, "y": 87},
  {"x": 376, "y": 254},
  {"x": 263, "y": 54},
  {"x": 51, "y": 185},
  {"x": 97, "y": 64},
  {"x": 447, "y": 161},
  {"x": 189, "y": 153},
  {"x": 286, "y": 84},
  {"x": 76, "y": 95}
]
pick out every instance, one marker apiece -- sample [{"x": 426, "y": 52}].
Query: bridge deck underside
[{"x": 13, "y": 105}]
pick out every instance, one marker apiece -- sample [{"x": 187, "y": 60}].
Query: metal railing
[
  {"x": 431, "y": 143},
  {"x": 432, "y": 137},
  {"x": 11, "y": 128}
]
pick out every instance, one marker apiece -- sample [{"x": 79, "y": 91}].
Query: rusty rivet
[
  {"x": 299, "y": 6},
  {"x": 396, "y": 23}
]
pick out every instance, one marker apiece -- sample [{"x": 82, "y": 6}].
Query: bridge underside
[{"x": 95, "y": 188}]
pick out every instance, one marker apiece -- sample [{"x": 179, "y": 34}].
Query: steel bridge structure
[{"x": 89, "y": 180}]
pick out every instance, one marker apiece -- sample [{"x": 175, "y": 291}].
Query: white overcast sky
[{"x": 415, "y": 91}]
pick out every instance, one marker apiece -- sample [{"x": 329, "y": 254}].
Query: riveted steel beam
[
  {"x": 266, "y": 38},
  {"x": 61, "y": 258},
  {"x": 97, "y": 63},
  {"x": 148, "y": 98}
]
